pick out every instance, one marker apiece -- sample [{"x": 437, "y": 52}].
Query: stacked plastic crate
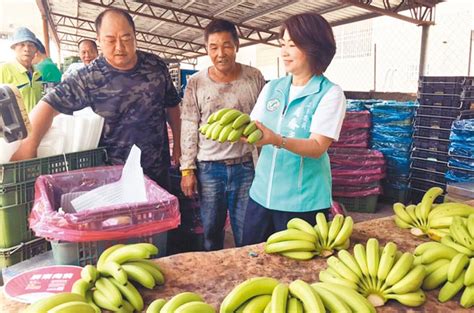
[
  {"x": 392, "y": 130},
  {"x": 442, "y": 100},
  {"x": 356, "y": 170},
  {"x": 461, "y": 152},
  {"x": 17, "y": 193}
]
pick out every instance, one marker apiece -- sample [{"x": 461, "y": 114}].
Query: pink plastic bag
[{"x": 160, "y": 213}]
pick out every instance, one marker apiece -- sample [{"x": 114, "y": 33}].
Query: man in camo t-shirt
[
  {"x": 220, "y": 172},
  {"x": 131, "y": 89}
]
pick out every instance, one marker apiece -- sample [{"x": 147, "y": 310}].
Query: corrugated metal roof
[{"x": 173, "y": 29}]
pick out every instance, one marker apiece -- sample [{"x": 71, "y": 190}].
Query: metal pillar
[
  {"x": 45, "y": 34},
  {"x": 423, "y": 49}
]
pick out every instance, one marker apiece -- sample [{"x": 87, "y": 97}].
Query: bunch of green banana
[
  {"x": 185, "y": 302},
  {"x": 108, "y": 286},
  {"x": 333, "y": 235},
  {"x": 263, "y": 294},
  {"x": 451, "y": 262},
  {"x": 61, "y": 302},
  {"x": 298, "y": 241},
  {"x": 378, "y": 273},
  {"x": 302, "y": 241},
  {"x": 427, "y": 218},
  {"x": 229, "y": 125}
]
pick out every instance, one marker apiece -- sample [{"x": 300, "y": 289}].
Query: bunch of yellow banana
[
  {"x": 108, "y": 286},
  {"x": 229, "y": 125},
  {"x": 451, "y": 262},
  {"x": 61, "y": 302},
  {"x": 185, "y": 302},
  {"x": 263, "y": 294},
  {"x": 427, "y": 218},
  {"x": 378, "y": 273},
  {"x": 302, "y": 241}
]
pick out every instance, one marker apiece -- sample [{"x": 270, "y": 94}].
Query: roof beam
[
  {"x": 145, "y": 37},
  {"x": 268, "y": 11},
  {"x": 199, "y": 20},
  {"x": 72, "y": 40},
  {"x": 227, "y": 8},
  {"x": 421, "y": 13}
]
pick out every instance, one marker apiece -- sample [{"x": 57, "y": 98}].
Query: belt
[{"x": 234, "y": 161}]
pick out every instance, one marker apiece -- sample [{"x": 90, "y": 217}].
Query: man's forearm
[
  {"x": 41, "y": 119},
  {"x": 189, "y": 144}
]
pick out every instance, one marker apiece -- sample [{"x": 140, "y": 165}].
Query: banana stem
[
  {"x": 417, "y": 231},
  {"x": 326, "y": 253},
  {"x": 376, "y": 299}
]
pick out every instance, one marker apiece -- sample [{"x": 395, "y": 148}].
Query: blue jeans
[{"x": 221, "y": 188}]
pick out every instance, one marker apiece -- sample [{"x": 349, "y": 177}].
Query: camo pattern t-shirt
[{"x": 132, "y": 104}]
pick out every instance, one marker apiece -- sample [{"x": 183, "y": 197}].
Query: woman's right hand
[{"x": 269, "y": 137}]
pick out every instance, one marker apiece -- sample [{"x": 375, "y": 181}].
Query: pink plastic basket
[{"x": 159, "y": 214}]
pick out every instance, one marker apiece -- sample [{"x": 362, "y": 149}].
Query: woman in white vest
[{"x": 300, "y": 115}]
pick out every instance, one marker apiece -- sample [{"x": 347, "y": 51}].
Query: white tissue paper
[{"x": 129, "y": 189}]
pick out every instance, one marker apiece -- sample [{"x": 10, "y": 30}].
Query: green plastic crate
[
  {"x": 391, "y": 194},
  {"x": 82, "y": 253},
  {"x": 29, "y": 170},
  {"x": 17, "y": 194},
  {"x": 359, "y": 204},
  {"x": 23, "y": 251},
  {"x": 14, "y": 225}
]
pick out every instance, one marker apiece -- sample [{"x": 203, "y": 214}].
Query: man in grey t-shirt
[{"x": 221, "y": 172}]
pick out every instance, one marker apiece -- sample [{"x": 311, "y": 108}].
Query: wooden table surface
[{"x": 214, "y": 274}]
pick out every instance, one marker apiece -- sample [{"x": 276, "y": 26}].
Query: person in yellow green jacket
[{"x": 20, "y": 72}]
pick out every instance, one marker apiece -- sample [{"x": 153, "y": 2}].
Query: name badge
[{"x": 273, "y": 104}]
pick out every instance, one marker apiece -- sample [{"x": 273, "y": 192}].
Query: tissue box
[{"x": 158, "y": 214}]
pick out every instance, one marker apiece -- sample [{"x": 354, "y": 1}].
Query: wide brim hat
[{"x": 23, "y": 34}]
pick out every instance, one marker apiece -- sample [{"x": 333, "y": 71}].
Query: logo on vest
[{"x": 273, "y": 104}]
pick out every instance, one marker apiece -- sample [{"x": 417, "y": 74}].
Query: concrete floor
[{"x": 383, "y": 209}]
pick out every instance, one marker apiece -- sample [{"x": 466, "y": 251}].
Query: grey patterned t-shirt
[
  {"x": 202, "y": 97},
  {"x": 132, "y": 103}
]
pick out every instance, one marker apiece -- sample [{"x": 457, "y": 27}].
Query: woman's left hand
[{"x": 268, "y": 138}]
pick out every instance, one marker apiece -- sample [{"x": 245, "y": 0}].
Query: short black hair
[
  {"x": 98, "y": 20},
  {"x": 312, "y": 33},
  {"x": 217, "y": 26},
  {"x": 92, "y": 42}
]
